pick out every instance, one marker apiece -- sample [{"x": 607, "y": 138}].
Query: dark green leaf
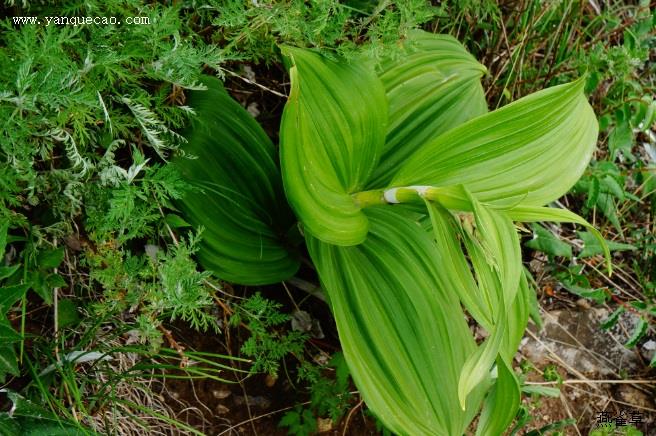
[
  {"x": 67, "y": 313},
  {"x": 38, "y": 282},
  {"x": 8, "y": 362},
  {"x": 599, "y": 296},
  {"x": 48, "y": 259},
  {"x": 8, "y": 271},
  {"x": 592, "y": 247},
  {"x": 606, "y": 204},
  {"x": 4, "y": 228},
  {"x": 612, "y": 319},
  {"x": 593, "y": 192},
  {"x": 239, "y": 200},
  {"x": 176, "y": 222},
  {"x": 546, "y": 242},
  {"x": 545, "y": 391},
  {"x": 638, "y": 332},
  {"x": 620, "y": 141},
  {"x": 10, "y": 295},
  {"x": 8, "y": 335},
  {"x": 609, "y": 184}
]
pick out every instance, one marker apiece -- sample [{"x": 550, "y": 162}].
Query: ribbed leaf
[
  {"x": 455, "y": 266},
  {"x": 401, "y": 327},
  {"x": 529, "y": 152},
  {"x": 331, "y": 135},
  {"x": 502, "y": 402},
  {"x": 241, "y": 204},
  {"x": 493, "y": 248},
  {"x": 432, "y": 88},
  {"x": 517, "y": 319}
]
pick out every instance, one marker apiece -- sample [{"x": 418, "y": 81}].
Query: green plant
[
  {"x": 406, "y": 190},
  {"x": 329, "y": 396},
  {"x": 265, "y": 345}
]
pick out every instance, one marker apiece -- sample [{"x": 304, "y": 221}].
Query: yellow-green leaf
[
  {"x": 529, "y": 152},
  {"x": 501, "y": 403},
  {"x": 433, "y": 87},
  {"x": 400, "y": 324},
  {"x": 331, "y": 137}
]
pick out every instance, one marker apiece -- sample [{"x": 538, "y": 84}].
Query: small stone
[
  {"x": 220, "y": 394},
  {"x": 633, "y": 396},
  {"x": 650, "y": 345},
  {"x": 254, "y": 401},
  {"x": 253, "y": 110},
  {"x": 583, "y": 303},
  {"x": 324, "y": 425}
]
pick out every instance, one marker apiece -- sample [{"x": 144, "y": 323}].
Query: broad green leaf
[
  {"x": 239, "y": 200},
  {"x": 400, "y": 324},
  {"x": 529, "y": 152},
  {"x": 331, "y": 138},
  {"x": 502, "y": 402},
  {"x": 433, "y": 87},
  {"x": 592, "y": 247},
  {"x": 546, "y": 242}
]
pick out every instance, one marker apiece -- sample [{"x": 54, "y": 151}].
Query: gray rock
[{"x": 576, "y": 337}]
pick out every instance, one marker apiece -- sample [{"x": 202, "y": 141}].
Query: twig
[
  {"x": 251, "y": 82},
  {"x": 561, "y": 361},
  {"x": 348, "y": 417},
  {"x": 575, "y": 381},
  {"x": 175, "y": 345},
  {"x": 284, "y": 409}
]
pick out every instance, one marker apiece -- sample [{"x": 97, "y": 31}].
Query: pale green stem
[{"x": 452, "y": 197}]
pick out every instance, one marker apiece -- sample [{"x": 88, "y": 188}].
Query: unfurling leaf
[{"x": 331, "y": 138}]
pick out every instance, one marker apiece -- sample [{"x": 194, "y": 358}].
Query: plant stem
[{"x": 451, "y": 197}]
